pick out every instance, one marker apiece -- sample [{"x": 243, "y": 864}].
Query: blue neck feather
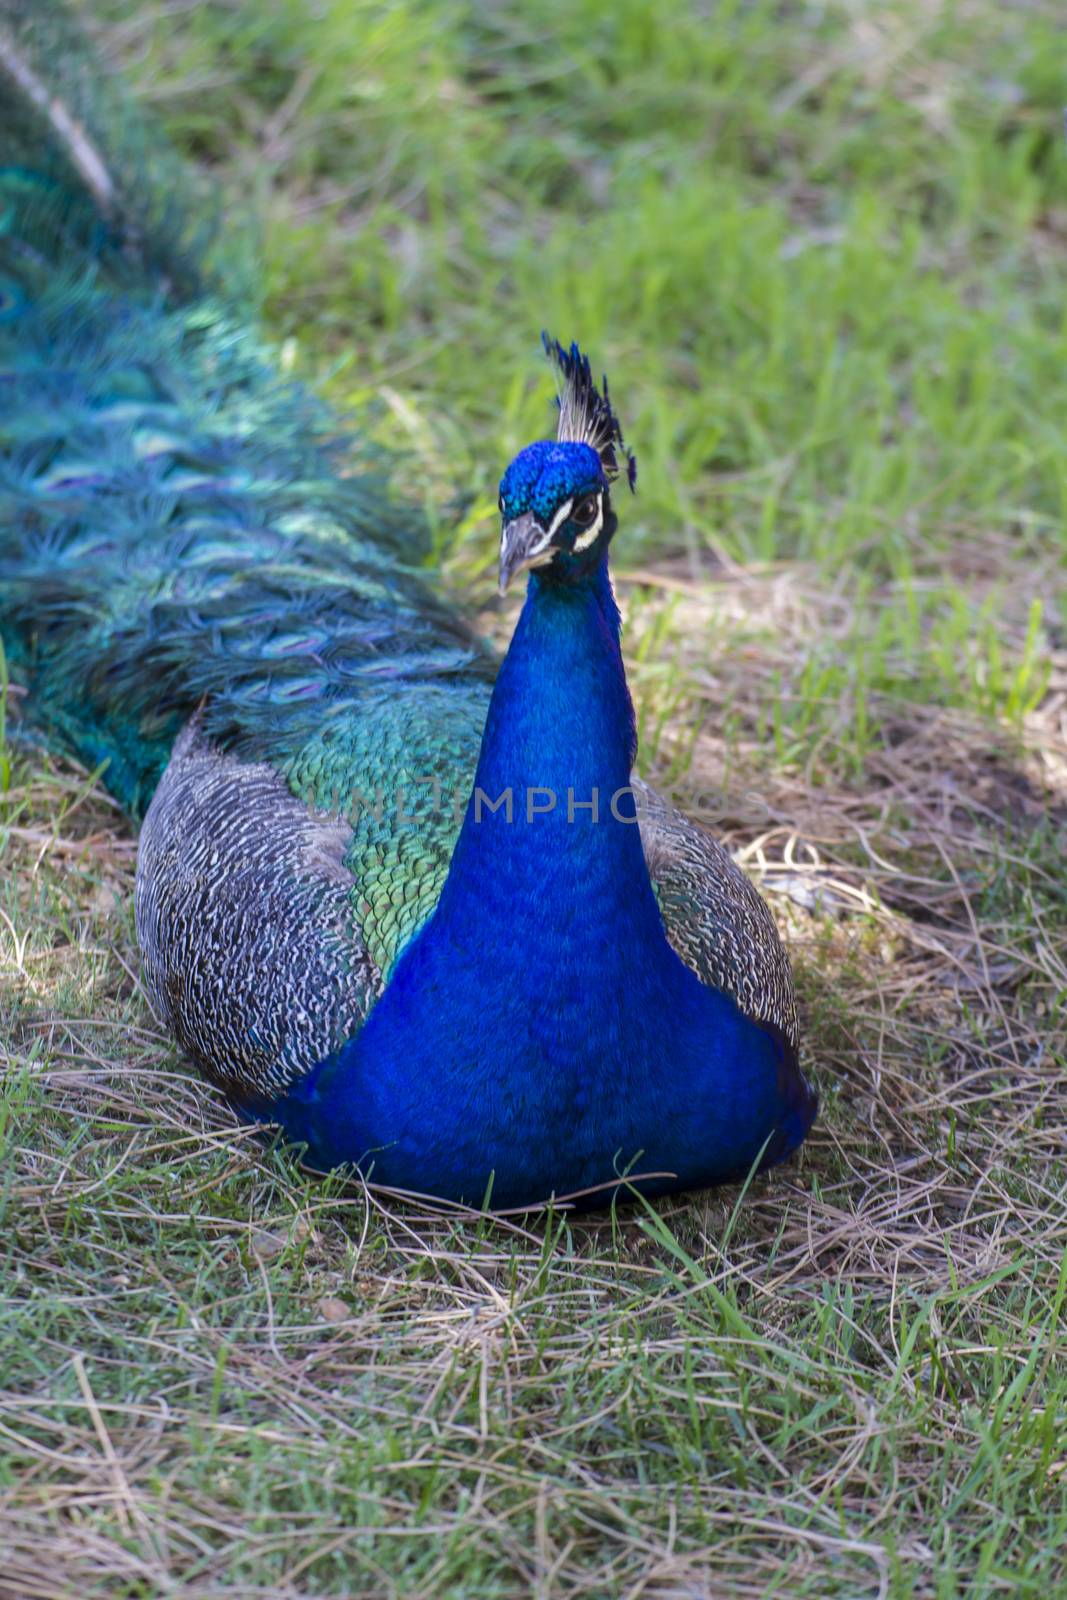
[
  {"x": 539, "y": 1034},
  {"x": 559, "y": 740}
]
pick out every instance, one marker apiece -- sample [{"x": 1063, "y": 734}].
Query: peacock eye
[{"x": 585, "y": 511}]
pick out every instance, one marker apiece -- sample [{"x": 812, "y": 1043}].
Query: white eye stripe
[
  {"x": 539, "y": 554},
  {"x": 584, "y": 540},
  {"x": 562, "y": 513}
]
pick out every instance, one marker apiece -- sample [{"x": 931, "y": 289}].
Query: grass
[{"x": 821, "y": 250}]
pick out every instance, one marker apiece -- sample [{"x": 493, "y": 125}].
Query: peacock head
[{"x": 555, "y": 498}]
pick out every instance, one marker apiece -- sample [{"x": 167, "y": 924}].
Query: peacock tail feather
[{"x": 182, "y": 531}]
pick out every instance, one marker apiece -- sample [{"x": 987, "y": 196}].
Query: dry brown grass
[{"x": 223, "y": 1377}]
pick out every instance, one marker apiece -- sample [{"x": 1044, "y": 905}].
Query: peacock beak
[{"x": 523, "y": 542}]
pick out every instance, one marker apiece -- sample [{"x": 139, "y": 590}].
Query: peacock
[{"x": 406, "y": 902}]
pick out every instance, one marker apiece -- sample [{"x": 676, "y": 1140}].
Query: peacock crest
[{"x": 586, "y": 415}]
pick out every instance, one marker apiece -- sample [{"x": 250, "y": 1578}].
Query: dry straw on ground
[{"x": 223, "y": 1377}]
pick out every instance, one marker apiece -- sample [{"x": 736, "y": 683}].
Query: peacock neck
[{"x": 551, "y": 822}]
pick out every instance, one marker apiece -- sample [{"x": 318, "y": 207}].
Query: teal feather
[{"x": 182, "y": 528}]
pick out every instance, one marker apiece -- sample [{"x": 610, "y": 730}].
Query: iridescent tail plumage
[
  {"x": 178, "y": 525},
  {"x": 185, "y": 534}
]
